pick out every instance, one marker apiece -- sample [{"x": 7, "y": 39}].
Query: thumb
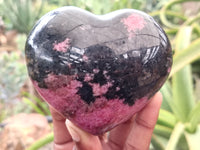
[{"x": 82, "y": 139}]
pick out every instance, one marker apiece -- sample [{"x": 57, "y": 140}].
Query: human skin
[{"x": 134, "y": 134}]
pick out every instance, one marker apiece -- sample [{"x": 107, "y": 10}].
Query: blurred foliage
[
  {"x": 21, "y": 39},
  {"x": 36, "y": 104},
  {"x": 13, "y": 74},
  {"x": 22, "y": 14},
  {"x": 12, "y": 109},
  {"x": 179, "y": 119},
  {"x": 106, "y": 6}
]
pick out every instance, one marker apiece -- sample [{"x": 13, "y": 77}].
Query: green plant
[
  {"x": 22, "y": 13},
  {"x": 41, "y": 142},
  {"x": 36, "y": 104},
  {"x": 106, "y": 6},
  {"x": 12, "y": 75},
  {"x": 103, "y": 7},
  {"x": 178, "y": 125},
  {"x": 179, "y": 120}
]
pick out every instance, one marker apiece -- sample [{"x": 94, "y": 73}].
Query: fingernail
[
  {"x": 105, "y": 137},
  {"x": 72, "y": 131},
  {"x": 74, "y": 147}
]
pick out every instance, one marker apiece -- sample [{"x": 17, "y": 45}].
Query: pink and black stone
[{"x": 97, "y": 71}]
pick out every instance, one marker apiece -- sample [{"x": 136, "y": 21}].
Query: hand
[{"x": 134, "y": 134}]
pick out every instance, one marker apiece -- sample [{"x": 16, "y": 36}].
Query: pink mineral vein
[
  {"x": 88, "y": 77},
  {"x": 169, "y": 69},
  {"x": 133, "y": 23},
  {"x": 97, "y": 117},
  {"x": 96, "y": 70},
  {"x": 85, "y": 58},
  {"x": 100, "y": 90},
  {"x": 106, "y": 114},
  {"x": 62, "y": 46}
]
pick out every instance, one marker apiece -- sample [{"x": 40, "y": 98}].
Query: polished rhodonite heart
[{"x": 97, "y": 71}]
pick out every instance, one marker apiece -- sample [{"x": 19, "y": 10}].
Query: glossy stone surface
[{"x": 97, "y": 70}]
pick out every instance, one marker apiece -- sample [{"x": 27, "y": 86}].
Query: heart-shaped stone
[{"x": 97, "y": 71}]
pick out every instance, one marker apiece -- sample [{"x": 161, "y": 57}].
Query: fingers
[
  {"x": 82, "y": 139},
  {"x": 62, "y": 138},
  {"x": 118, "y": 135},
  {"x": 142, "y": 129},
  {"x": 135, "y": 133}
]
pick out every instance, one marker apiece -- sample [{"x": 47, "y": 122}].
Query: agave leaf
[
  {"x": 162, "y": 131},
  {"x": 163, "y": 15},
  {"x": 183, "y": 41},
  {"x": 167, "y": 96},
  {"x": 166, "y": 118},
  {"x": 21, "y": 13},
  {"x": 41, "y": 104},
  {"x": 175, "y": 136},
  {"x": 193, "y": 139},
  {"x": 197, "y": 28},
  {"x": 197, "y": 85},
  {"x": 30, "y": 103},
  {"x": 182, "y": 86},
  {"x": 156, "y": 143},
  {"x": 166, "y": 7},
  {"x": 183, "y": 98},
  {"x": 194, "y": 117},
  {"x": 42, "y": 142},
  {"x": 186, "y": 56}
]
